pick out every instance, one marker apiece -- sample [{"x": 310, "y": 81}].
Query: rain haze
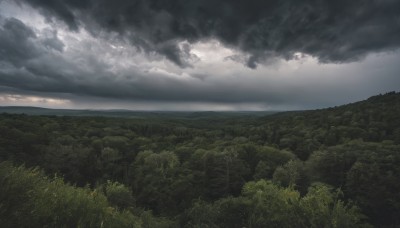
[{"x": 197, "y": 55}]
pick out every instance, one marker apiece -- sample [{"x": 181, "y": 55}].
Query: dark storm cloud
[
  {"x": 16, "y": 45},
  {"x": 28, "y": 63},
  {"x": 35, "y": 65},
  {"x": 46, "y": 60},
  {"x": 62, "y": 10},
  {"x": 333, "y": 31},
  {"x": 19, "y": 43}
]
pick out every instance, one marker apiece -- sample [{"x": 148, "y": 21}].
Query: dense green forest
[{"x": 335, "y": 167}]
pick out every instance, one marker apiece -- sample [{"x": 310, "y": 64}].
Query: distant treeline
[{"x": 336, "y": 167}]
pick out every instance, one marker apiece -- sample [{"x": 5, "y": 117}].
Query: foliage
[
  {"x": 30, "y": 199},
  {"x": 119, "y": 195},
  {"x": 204, "y": 169},
  {"x": 263, "y": 204}
]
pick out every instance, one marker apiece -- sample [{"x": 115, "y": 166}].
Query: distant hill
[
  {"x": 128, "y": 113},
  {"x": 378, "y": 101},
  {"x": 388, "y": 102},
  {"x": 382, "y": 102},
  {"x": 375, "y": 119}
]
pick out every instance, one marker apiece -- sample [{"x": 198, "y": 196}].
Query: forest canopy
[{"x": 335, "y": 167}]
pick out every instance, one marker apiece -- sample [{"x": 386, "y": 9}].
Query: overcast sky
[{"x": 198, "y": 54}]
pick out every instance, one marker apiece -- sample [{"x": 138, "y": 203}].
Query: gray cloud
[
  {"x": 16, "y": 42},
  {"x": 52, "y": 41},
  {"x": 118, "y": 63},
  {"x": 332, "y": 30}
]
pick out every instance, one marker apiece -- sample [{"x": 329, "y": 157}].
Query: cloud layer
[
  {"x": 332, "y": 31},
  {"x": 197, "y": 55}
]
